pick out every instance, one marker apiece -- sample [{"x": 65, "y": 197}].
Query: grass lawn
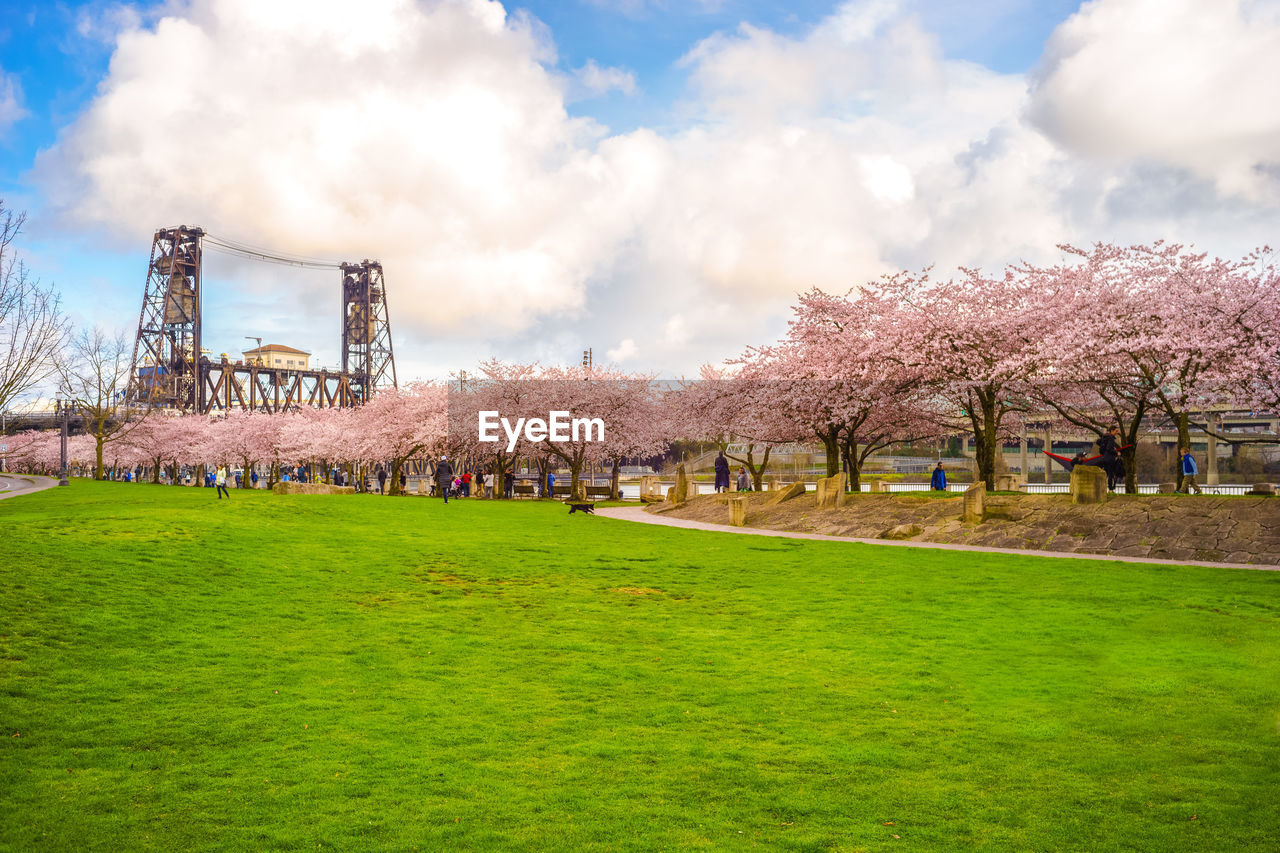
[{"x": 357, "y": 672}]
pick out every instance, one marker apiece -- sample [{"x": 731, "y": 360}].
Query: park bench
[
  {"x": 588, "y": 507},
  {"x": 599, "y": 491},
  {"x": 523, "y": 490}
]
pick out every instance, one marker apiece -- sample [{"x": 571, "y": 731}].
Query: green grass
[{"x": 356, "y": 672}]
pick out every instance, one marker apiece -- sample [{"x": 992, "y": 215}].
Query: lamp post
[{"x": 63, "y": 408}]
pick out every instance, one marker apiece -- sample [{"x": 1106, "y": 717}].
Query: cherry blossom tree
[
  {"x": 971, "y": 342},
  {"x": 832, "y": 376},
  {"x": 1161, "y": 326},
  {"x": 398, "y": 424}
]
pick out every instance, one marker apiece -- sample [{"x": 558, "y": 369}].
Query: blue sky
[{"x": 652, "y": 178}]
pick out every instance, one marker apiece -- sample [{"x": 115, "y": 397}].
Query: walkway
[
  {"x": 21, "y": 484},
  {"x": 638, "y": 514}
]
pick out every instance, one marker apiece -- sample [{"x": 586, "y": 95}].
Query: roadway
[{"x": 12, "y": 485}]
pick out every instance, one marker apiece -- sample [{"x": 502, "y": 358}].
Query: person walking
[
  {"x": 444, "y": 476},
  {"x": 220, "y": 479},
  {"x": 509, "y": 484},
  {"x": 551, "y": 485},
  {"x": 744, "y": 483},
  {"x": 938, "y": 482},
  {"x": 722, "y": 473},
  {"x": 382, "y": 479},
  {"x": 404, "y": 482},
  {"x": 478, "y": 480},
  {"x": 1109, "y": 450},
  {"x": 1189, "y": 472},
  {"x": 466, "y": 484}
]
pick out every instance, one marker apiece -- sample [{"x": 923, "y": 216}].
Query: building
[{"x": 278, "y": 355}]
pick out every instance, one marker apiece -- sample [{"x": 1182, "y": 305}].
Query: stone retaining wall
[
  {"x": 1222, "y": 529},
  {"x": 292, "y": 488}
]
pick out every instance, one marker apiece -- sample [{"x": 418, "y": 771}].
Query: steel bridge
[{"x": 170, "y": 369}]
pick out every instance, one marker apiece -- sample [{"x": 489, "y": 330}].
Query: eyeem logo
[{"x": 558, "y": 427}]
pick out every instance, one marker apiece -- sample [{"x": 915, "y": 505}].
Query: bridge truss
[{"x": 170, "y": 370}]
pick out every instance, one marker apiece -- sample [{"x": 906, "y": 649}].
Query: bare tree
[
  {"x": 94, "y": 376},
  {"x": 33, "y": 329}
]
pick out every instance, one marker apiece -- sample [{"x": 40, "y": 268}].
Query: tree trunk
[
  {"x": 852, "y": 463},
  {"x": 97, "y": 468},
  {"x": 984, "y": 439},
  {"x": 831, "y": 443},
  {"x": 394, "y": 477},
  {"x": 498, "y": 475},
  {"x": 575, "y": 477},
  {"x": 615, "y": 490}
]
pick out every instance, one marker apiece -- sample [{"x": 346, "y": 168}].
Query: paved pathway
[
  {"x": 638, "y": 514},
  {"x": 21, "y": 484}
]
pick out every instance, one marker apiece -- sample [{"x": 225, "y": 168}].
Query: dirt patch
[
  {"x": 636, "y": 590},
  {"x": 1223, "y": 529}
]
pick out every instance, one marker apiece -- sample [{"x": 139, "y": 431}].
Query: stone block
[
  {"x": 1166, "y": 488},
  {"x": 975, "y": 498},
  {"x": 794, "y": 490},
  {"x": 682, "y": 484},
  {"x": 671, "y": 494},
  {"x": 422, "y": 485},
  {"x": 1088, "y": 485},
  {"x": 649, "y": 486},
  {"x": 738, "y": 511},
  {"x": 878, "y": 486},
  {"x": 1263, "y": 489},
  {"x": 831, "y": 491},
  {"x": 1009, "y": 482},
  {"x": 902, "y": 531}
]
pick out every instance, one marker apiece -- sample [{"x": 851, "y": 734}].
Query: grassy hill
[{"x": 357, "y": 672}]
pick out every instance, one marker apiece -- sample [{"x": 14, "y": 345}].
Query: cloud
[
  {"x": 104, "y": 22},
  {"x": 624, "y": 351},
  {"x": 11, "y": 108},
  {"x": 434, "y": 136},
  {"x": 1178, "y": 82},
  {"x": 593, "y": 80},
  {"x": 430, "y": 135}
]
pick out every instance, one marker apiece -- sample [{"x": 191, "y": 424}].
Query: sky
[{"x": 653, "y": 179}]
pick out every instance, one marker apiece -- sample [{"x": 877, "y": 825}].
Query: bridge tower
[
  {"x": 166, "y": 352},
  {"x": 366, "y": 330}
]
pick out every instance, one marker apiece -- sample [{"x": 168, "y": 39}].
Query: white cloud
[
  {"x": 428, "y": 135},
  {"x": 624, "y": 351},
  {"x": 11, "y": 109},
  {"x": 104, "y": 22},
  {"x": 1180, "y": 82},
  {"x": 434, "y": 136},
  {"x": 593, "y": 80}
]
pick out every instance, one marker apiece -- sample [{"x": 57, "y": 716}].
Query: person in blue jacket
[
  {"x": 938, "y": 482},
  {"x": 1189, "y": 471},
  {"x": 551, "y": 485}
]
